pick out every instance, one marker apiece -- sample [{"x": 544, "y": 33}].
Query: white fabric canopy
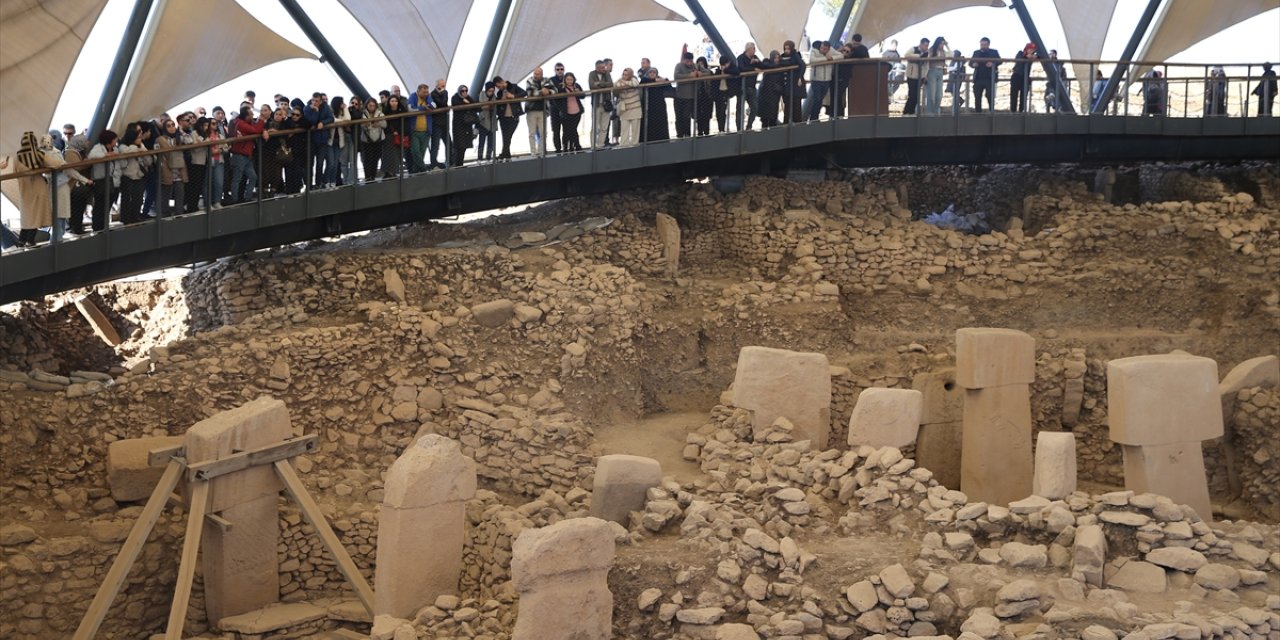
[
  {"x": 1085, "y": 23},
  {"x": 1182, "y": 23},
  {"x": 419, "y": 37},
  {"x": 39, "y": 44},
  {"x": 772, "y": 22},
  {"x": 877, "y": 20},
  {"x": 198, "y": 46},
  {"x": 539, "y": 29}
]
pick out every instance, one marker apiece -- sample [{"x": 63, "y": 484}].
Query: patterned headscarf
[{"x": 29, "y": 156}]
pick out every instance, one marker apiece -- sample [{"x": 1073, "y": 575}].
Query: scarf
[{"x": 29, "y": 156}]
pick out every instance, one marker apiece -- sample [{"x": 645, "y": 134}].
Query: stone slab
[
  {"x": 938, "y": 449},
  {"x": 943, "y": 400},
  {"x": 620, "y": 484},
  {"x": 669, "y": 236},
  {"x": 1140, "y": 577},
  {"x": 272, "y": 618},
  {"x": 776, "y": 383},
  {"x": 1172, "y": 470},
  {"x": 432, "y": 471},
  {"x": 241, "y": 565},
  {"x": 987, "y": 357},
  {"x": 98, "y": 321},
  {"x": 996, "y": 463},
  {"x": 259, "y": 423},
  {"x": 419, "y": 556},
  {"x": 886, "y": 417},
  {"x": 1055, "y": 472},
  {"x": 128, "y": 473},
  {"x": 1163, "y": 399},
  {"x": 561, "y": 573}
]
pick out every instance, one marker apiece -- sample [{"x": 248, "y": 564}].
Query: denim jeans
[
  {"x": 242, "y": 168},
  {"x": 7, "y": 237},
  {"x": 214, "y": 195},
  {"x": 326, "y": 166},
  {"x": 813, "y": 103},
  {"x": 484, "y": 144}
]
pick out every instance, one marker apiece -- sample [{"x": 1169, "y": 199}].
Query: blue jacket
[
  {"x": 414, "y": 106},
  {"x": 314, "y": 116}
]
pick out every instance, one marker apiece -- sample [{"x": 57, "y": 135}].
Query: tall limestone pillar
[
  {"x": 561, "y": 573},
  {"x": 422, "y": 525},
  {"x": 996, "y": 367}
]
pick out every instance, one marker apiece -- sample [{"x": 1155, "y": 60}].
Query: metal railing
[{"x": 292, "y": 162}]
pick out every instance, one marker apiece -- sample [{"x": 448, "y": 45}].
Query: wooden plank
[
  {"x": 110, "y": 586},
  {"x": 311, "y": 511},
  {"x": 211, "y": 469},
  {"x": 160, "y": 456},
  {"x": 187, "y": 566},
  {"x": 219, "y": 521}
]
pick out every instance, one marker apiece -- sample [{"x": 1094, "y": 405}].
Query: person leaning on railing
[
  {"x": 654, "y": 92},
  {"x": 793, "y": 96},
  {"x": 464, "y": 125},
  {"x": 371, "y": 138},
  {"x": 573, "y": 108},
  {"x": 986, "y": 69},
  {"x": 629, "y": 108},
  {"x": 1266, "y": 90}
]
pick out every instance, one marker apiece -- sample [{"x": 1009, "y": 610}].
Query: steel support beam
[
  {"x": 1113, "y": 83},
  {"x": 499, "y": 24},
  {"x": 842, "y": 19},
  {"x": 327, "y": 52},
  {"x": 1050, "y": 68},
  {"x": 119, "y": 68},
  {"x": 701, "y": 19}
]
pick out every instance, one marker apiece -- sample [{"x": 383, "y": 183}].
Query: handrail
[{"x": 755, "y": 73}]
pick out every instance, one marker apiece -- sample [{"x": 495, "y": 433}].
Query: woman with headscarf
[
  {"x": 62, "y": 180},
  {"x": 793, "y": 97},
  {"x": 464, "y": 124},
  {"x": 772, "y": 85},
  {"x": 655, "y": 91},
  {"x": 81, "y": 192},
  {"x": 33, "y": 191}
]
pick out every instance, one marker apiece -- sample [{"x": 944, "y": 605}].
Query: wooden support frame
[{"x": 199, "y": 476}]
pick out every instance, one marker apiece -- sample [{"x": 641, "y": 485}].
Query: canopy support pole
[
  {"x": 496, "y": 28},
  {"x": 119, "y": 68},
  {"x": 1050, "y": 69},
  {"x": 1113, "y": 83},
  {"x": 327, "y": 52},
  {"x": 702, "y": 19},
  {"x": 842, "y": 19}
]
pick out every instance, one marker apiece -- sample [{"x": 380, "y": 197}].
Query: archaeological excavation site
[{"x": 974, "y": 403}]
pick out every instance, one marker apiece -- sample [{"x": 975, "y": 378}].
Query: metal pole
[
  {"x": 496, "y": 28},
  {"x": 1139, "y": 31},
  {"x": 119, "y": 67},
  {"x": 842, "y": 20},
  {"x": 1050, "y": 68},
  {"x": 702, "y": 19},
  {"x": 327, "y": 52},
  {"x": 140, "y": 55}
]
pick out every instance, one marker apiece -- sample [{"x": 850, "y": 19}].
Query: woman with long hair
[
  {"x": 173, "y": 170},
  {"x": 935, "y": 68},
  {"x": 572, "y": 113},
  {"x": 106, "y": 179},
  {"x": 397, "y": 137},
  {"x": 339, "y": 139},
  {"x": 371, "y": 138},
  {"x": 133, "y": 174}
]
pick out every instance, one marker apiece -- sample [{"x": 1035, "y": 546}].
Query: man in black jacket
[
  {"x": 556, "y": 105},
  {"x": 748, "y": 63},
  {"x": 440, "y": 124},
  {"x": 508, "y": 114},
  {"x": 985, "y": 62}
]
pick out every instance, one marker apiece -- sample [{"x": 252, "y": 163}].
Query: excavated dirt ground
[{"x": 374, "y": 340}]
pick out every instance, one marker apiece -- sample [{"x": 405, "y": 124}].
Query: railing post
[{"x": 55, "y": 231}]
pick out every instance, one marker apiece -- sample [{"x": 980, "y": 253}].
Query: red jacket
[{"x": 245, "y": 128}]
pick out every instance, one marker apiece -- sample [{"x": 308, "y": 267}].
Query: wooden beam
[
  {"x": 222, "y": 523},
  {"x": 311, "y": 510},
  {"x": 187, "y": 566},
  {"x": 159, "y": 457},
  {"x": 211, "y": 469},
  {"x": 110, "y": 586}
]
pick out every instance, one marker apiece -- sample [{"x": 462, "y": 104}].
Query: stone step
[{"x": 273, "y": 618}]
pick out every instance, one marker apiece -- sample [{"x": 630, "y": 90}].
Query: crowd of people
[{"x": 213, "y": 159}]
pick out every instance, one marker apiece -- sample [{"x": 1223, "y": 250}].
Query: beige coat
[
  {"x": 628, "y": 99},
  {"x": 37, "y": 209}
]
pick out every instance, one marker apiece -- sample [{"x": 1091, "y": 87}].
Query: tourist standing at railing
[
  {"x": 62, "y": 178},
  {"x": 897, "y": 70},
  {"x": 655, "y": 90},
  {"x": 197, "y": 164},
  {"x": 338, "y": 140},
  {"x": 173, "y": 170},
  {"x": 1266, "y": 90},
  {"x": 318, "y": 116},
  {"x": 1020, "y": 80},
  {"x": 957, "y": 70},
  {"x": 915, "y": 72},
  {"x": 82, "y": 191},
  {"x": 615, "y": 124},
  {"x": 244, "y": 177},
  {"x": 555, "y": 106},
  {"x": 440, "y": 124},
  {"x": 510, "y": 112},
  {"x": 1051, "y": 84},
  {"x": 986, "y": 69},
  {"x": 703, "y": 104},
  {"x": 33, "y": 191},
  {"x": 217, "y": 167},
  {"x": 280, "y": 173},
  {"x": 629, "y": 108},
  {"x": 396, "y": 140},
  {"x": 772, "y": 85},
  {"x": 821, "y": 57},
  {"x": 133, "y": 172},
  {"x": 420, "y": 130},
  {"x": 106, "y": 178},
  {"x": 793, "y": 96},
  {"x": 371, "y": 138},
  {"x": 725, "y": 88},
  {"x": 748, "y": 63},
  {"x": 487, "y": 124},
  {"x": 1099, "y": 87},
  {"x": 464, "y": 125},
  {"x": 1155, "y": 93},
  {"x": 935, "y": 70},
  {"x": 844, "y": 75},
  {"x": 150, "y": 133},
  {"x": 686, "y": 94},
  {"x": 573, "y": 108},
  {"x": 1215, "y": 93},
  {"x": 599, "y": 81},
  {"x": 535, "y": 116}
]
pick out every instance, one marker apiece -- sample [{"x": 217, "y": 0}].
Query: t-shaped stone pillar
[
  {"x": 776, "y": 383},
  {"x": 1160, "y": 408},
  {"x": 240, "y": 565},
  {"x": 886, "y": 417},
  {"x": 422, "y": 525},
  {"x": 620, "y": 485},
  {"x": 996, "y": 368},
  {"x": 561, "y": 573}
]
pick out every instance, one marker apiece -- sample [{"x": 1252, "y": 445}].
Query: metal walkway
[{"x": 869, "y": 141}]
